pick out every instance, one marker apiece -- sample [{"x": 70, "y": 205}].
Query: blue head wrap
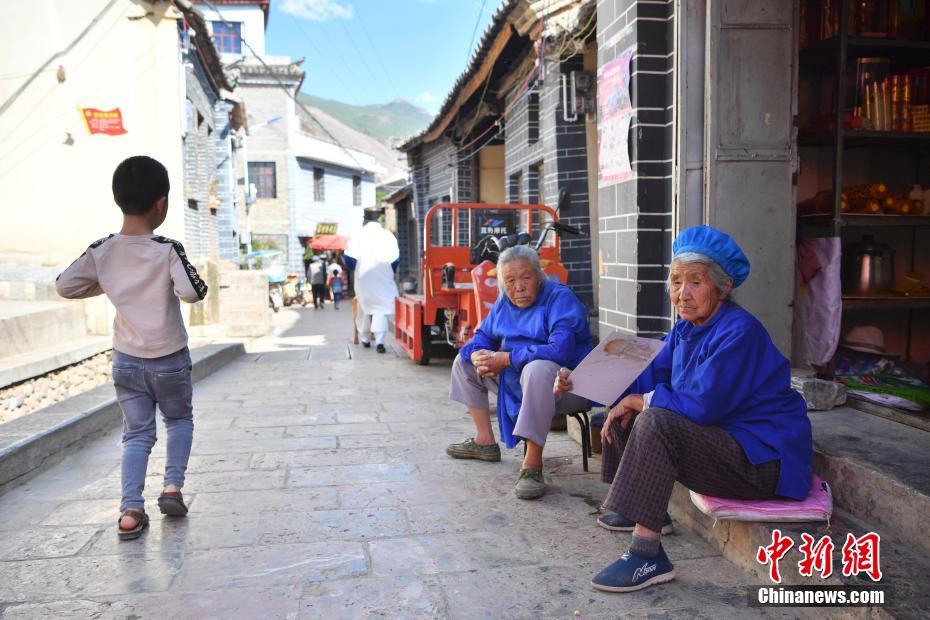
[{"x": 716, "y": 245}]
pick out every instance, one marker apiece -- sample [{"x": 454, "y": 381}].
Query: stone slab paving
[{"x": 319, "y": 488}]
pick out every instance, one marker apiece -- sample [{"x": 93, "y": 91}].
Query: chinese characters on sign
[
  {"x": 859, "y": 555},
  {"x": 326, "y": 228},
  {"x": 109, "y": 122},
  {"x": 615, "y": 113}
]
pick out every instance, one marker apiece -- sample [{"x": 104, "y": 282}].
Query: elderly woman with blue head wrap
[{"x": 714, "y": 411}]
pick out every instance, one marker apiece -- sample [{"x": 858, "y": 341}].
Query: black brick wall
[
  {"x": 561, "y": 149},
  {"x": 635, "y": 216}
]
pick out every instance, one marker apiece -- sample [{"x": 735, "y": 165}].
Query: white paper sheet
[{"x": 612, "y": 366}]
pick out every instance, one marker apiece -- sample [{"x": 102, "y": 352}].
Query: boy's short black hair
[{"x": 138, "y": 182}]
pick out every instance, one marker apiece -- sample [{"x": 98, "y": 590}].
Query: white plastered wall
[{"x": 59, "y": 194}]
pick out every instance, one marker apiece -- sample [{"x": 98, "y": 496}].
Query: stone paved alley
[{"x": 319, "y": 488}]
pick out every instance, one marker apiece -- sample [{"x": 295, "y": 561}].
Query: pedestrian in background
[
  {"x": 143, "y": 275},
  {"x": 316, "y": 275},
  {"x": 373, "y": 254},
  {"x": 335, "y": 282}
]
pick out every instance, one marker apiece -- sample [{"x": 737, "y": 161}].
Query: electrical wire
[
  {"x": 287, "y": 90},
  {"x": 332, "y": 45},
  {"x": 21, "y": 159},
  {"x": 582, "y": 34},
  {"x": 321, "y": 54},
  {"x": 474, "y": 31},
  {"x": 96, "y": 91},
  {"x": 483, "y": 144},
  {"x": 387, "y": 75},
  {"x": 484, "y": 91},
  {"x": 362, "y": 57},
  {"x": 19, "y": 91},
  {"x": 72, "y": 70}
]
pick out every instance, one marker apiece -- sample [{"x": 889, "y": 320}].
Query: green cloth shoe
[
  {"x": 468, "y": 449},
  {"x": 530, "y": 484}
]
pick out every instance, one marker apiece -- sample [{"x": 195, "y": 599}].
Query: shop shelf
[
  {"x": 854, "y": 219},
  {"x": 914, "y": 52},
  {"x": 868, "y": 139},
  {"x": 884, "y": 302}
]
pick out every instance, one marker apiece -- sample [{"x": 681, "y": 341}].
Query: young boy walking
[{"x": 143, "y": 275}]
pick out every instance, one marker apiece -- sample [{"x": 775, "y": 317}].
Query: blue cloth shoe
[
  {"x": 618, "y": 523},
  {"x": 633, "y": 572}
]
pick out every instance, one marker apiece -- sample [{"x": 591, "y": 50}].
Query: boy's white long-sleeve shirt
[{"x": 143, "y": 276}]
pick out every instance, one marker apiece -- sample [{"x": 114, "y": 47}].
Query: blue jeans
[{"x": 142, "y": 383}]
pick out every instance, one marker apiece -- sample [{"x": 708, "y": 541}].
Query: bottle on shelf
[{"x": 918, "y": 198}]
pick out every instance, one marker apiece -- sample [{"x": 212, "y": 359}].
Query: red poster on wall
[{"x": 109, "y": 122}]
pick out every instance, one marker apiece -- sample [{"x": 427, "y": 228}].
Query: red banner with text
[{"x": 109, "y": 122}]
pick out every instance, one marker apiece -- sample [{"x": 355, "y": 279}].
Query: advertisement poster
[{"x": 615, "y": 112}]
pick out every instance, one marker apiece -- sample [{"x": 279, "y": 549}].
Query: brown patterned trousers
[{"x": 664, "y": 447}]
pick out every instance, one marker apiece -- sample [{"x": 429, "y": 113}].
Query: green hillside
[{"x": 397, "y": 119}]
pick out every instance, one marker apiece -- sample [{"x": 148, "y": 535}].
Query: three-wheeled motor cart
[{"x": 462, "y": 243}]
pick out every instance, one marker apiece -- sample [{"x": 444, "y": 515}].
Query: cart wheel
[{"x": 426, "y": 337}]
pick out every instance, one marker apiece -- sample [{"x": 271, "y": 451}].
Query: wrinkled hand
[
  {"x": 488, "y": 363},
  {"x": 563, "y": 382},
  {"x": 622, "y": 411}
]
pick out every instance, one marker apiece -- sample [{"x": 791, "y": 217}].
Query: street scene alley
[
  {"x": 694, "y": 231},
  {"x": 319, "y": 488}
]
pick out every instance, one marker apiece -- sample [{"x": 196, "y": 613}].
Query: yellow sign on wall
[{"x": 326, "y": 228}]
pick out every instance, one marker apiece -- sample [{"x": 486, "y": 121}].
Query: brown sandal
[
  {"x": 172, "y": 504},
  {"x": 142, "y": 522}
]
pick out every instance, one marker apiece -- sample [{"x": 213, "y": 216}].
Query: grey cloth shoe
[
  {"x": 530, "y": 484},
  {"x": 468, "y": 449}
]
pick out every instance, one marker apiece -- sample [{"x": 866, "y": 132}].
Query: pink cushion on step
[{"x": 817, "y": 506}]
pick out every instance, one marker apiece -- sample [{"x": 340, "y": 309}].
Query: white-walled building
[
  {"x": 136, "y": 65},
  {"x": 300, "y": 180},
  {"x": 332, "y": 185}
]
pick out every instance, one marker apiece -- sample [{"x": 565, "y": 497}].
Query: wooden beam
[{"x": 476, "y": 82}]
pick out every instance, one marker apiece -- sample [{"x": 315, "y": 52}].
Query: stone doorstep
[
  {"x": 903, "y": 569},
  {"x": 18, "y": 368},
  {"x": 876, "y": 469},
  {"x": 34, "y": 442}
]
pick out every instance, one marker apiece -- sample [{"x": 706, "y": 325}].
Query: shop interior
[{"x": 864, "y": 177}]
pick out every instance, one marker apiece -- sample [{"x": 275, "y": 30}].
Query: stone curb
[{"x": 35, "y": 442}]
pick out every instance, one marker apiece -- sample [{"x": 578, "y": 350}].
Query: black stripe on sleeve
[
  {"x": 95, "y": 244},
  {"x": 200, "y": 287}
]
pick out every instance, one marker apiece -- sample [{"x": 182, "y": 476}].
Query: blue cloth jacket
[
  {"x": 727, "y": 373},
  {"x": 554, "y": 328}
]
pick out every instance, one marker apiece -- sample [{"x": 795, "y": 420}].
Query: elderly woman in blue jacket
[
  {"x": 535, "y": 327},
  {"x": 714, "y": 411}
]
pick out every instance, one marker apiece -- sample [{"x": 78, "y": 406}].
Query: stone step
[
  {"x": 28, "y": 282},
  {"x": 34, "y": 442},
  {"x": 26, "y": 326},
  {"x": 877, "y": 470},
  {"x": 25, "y": 366},
  {"x": 904, "y": 568}
]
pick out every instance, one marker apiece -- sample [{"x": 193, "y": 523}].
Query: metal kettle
[{"x": 869, "y": 267}]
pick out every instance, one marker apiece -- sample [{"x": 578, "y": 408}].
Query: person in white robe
[{"x": 372, "y": 254}]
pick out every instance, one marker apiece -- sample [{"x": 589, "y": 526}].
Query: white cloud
[
  {"x": 317, "y": 10},
  {"x": 427, "y": 97}
]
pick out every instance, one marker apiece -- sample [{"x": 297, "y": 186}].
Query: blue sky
[{"x": 422, "y": 46}]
